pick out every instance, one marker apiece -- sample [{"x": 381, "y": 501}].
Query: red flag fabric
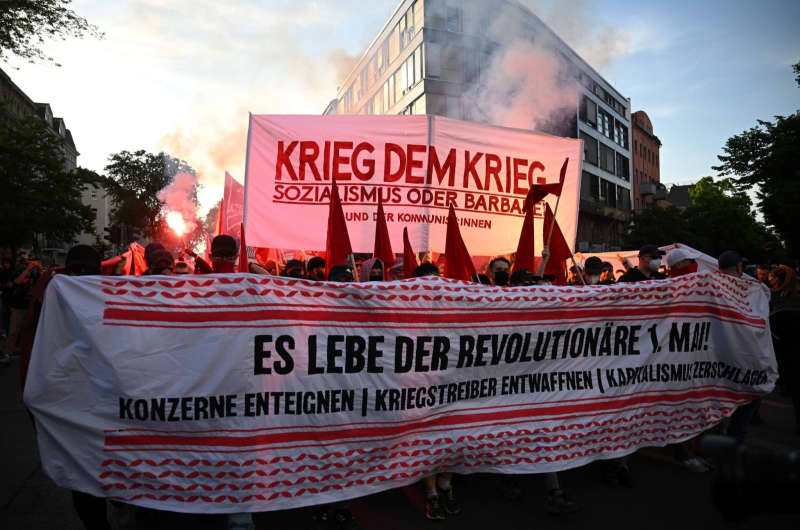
[
  {"x": 540, "y": 191},
  {"x": 218, "y": 227},
  {"x": 458, "y": 263},
  {"x": 524, "y": 258},
  {"x": 337, "y": 246},
  {"x": 383, "y": 247},
  {"x": 559, "y": 250},
  {"x": 409, "y": 257},
  {"x": 244, "y": 264}
]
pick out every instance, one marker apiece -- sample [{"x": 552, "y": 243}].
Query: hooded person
[
  {"x": 341, "y": 273},
  {"x": 149, "y": 250},
  {"x": 371, "y": 271},
  {"x": 162, "y": 262}
]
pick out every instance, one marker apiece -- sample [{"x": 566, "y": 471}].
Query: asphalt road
[{"x": 664, "y": 494}]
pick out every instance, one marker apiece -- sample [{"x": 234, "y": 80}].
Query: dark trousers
[{"x": 91, "y": 510}]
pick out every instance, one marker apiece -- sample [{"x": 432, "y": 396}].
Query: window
[
  {"x": 588, "y": 112},
  {"x": 623, "y": 171},
  {"x": 433, "y": 58},
  {"x": 418, "y": 72},
  {"x": 383, "y": 56},
  {"x": 454, "y": 19},
  {"x": 620, "y": 134},
  {"x": 606, "y": 158},
  {"x": 94, "y": 195},
  {"x": 589, "y": 186},
  {"x": 589, "y": 149}
]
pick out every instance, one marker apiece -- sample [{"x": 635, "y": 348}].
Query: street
[{"x": 664, "y": 494}]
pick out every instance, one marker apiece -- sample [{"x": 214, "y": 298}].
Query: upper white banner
[{"x": 419, "y": 164}]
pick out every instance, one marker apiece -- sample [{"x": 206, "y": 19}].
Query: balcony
[{"x": 647, "y": 188}]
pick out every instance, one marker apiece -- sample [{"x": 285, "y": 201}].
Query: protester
[
  {"x": 18, "y": 304},
  {"x": 762, "y": 273},
  {"x": 181, "y": 267},
  {"x": 594, "y": 269},
  {"x": 341, "y": 273},
  {"x": 149, "y": 251},
  {"x": 498, "y": 271},
  {"x": 607, "y": 276},
  {"x": 732, "y": 263},
  {"x": 680, "y": 263},
  {"x": 161, "y": 262},
  {"x": 293, "y": 269},
  {"x": 647, "y": 269},
  {"x": 371, "y": 270},
  {"x": 784, "y": 320},
  {"x": 6, "y": 285},
  {"x": 427, "y": 269},
  {"x": 316, "y": 268}
]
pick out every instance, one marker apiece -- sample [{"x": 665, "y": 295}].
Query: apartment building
[
  {"x": 431, "y": 54},
  {"x": 647, "y": 187},
  {"x": 16, "y": 102}
]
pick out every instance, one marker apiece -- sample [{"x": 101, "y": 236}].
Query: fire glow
[{"x": 176, "y": 223}]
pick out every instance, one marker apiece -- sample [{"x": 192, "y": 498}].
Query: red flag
[
  {"x": 208, "y": 248},
  {"x": 218, "y": 224},
  {"x": 458, "y": 264},
  {"x": 383, "y": 247},
  {"x": 559, "y": 250},
  {"x": 244, "y": 265},
  {"x": 337, "y": 246},
  {"x": 409, "y": 257},
  {"x": 540, "y": 191},
  {"x": 524, "y": 258}
]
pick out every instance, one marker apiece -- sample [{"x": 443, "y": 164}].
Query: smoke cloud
[
  {"x": 525, "y": 82},
  {"x": 177, "y": 197}
]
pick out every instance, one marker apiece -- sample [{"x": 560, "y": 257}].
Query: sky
[{"x": 182, "y": 75}]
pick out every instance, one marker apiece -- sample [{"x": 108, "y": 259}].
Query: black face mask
[{"x": 501, "y": 278}]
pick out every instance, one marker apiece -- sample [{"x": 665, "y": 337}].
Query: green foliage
[
  {"x": 135, "y": 180},
  {"x": 26, "y": 24},
  {"x": 765, "y": 159},
  {"x": 720, "y": 218},
  {"x": 37, "y": 195}
]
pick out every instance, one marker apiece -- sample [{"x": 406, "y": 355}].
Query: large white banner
[
  {"x": 241, "y": 392},
  {"x": 419, "y": 164}
]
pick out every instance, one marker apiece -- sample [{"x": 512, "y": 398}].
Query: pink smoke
[{"x": 178, "y": 197}]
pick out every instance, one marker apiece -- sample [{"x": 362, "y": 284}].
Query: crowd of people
[{"x": 23, "y": 280}]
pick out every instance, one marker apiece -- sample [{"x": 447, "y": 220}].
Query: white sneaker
[{"x": 694, "y": 465}]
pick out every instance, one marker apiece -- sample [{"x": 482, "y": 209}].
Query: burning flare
[{"x": 175, "y": 221}]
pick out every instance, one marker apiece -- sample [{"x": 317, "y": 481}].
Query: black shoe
[
  {"x": 451, "y": 505},
  {"x": 320, "y": 518},
  {"x": 433, "y": 509},
  {"x": 558, "y": 502},
  {"x": 344, "y": 519}
]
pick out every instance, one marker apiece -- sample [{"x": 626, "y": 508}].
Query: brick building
[{"x": 647, "y": 187}]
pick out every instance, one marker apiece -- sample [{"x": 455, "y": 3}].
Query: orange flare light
[{"x": 175, "y": 221}]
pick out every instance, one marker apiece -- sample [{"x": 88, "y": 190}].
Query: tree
[
  {"x": 25, "y": 24},
  {"x": 135, "y": 180},
  {"x": 658, "y": 226},
  {"x": 720, "y": 218},
  {"x": 37, "y": 195},
  {"x": 765, "y": 159}
]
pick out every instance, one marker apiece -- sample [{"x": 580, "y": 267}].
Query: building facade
[
  {"x": 647, "y": 187},
  {"x": 17, "y": 103},
  {"x": 431, "y": 54}
]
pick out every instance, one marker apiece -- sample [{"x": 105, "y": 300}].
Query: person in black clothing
[
  {"x": 6, "y": 285},
  {"x": 647, "y": 269}
]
